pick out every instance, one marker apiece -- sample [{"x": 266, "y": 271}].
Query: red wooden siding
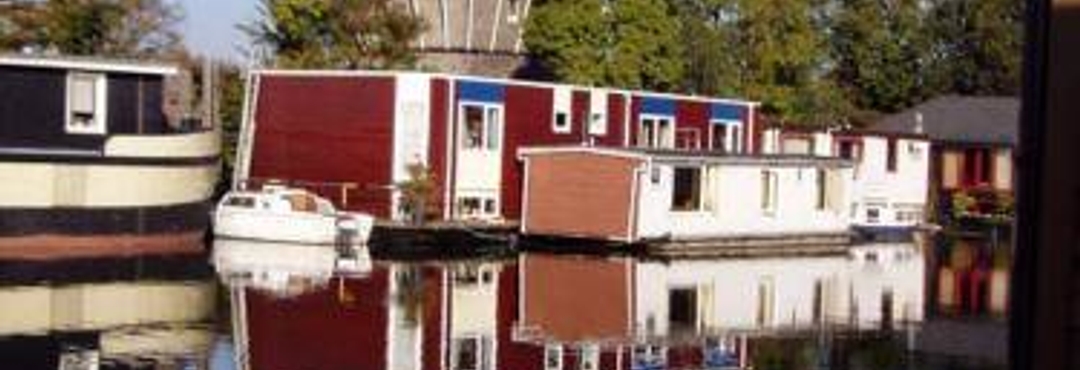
[
  {"x": 319, "y": 330},
  {"x": 328, "y": 130},
  {"x": 437, "y": 147},
  {"x": 556, "y": 312},
  {"x": 579, "y": 194},
  {"x": 692, "y": 120},
  {"x": 513, "y": 355},
  {"x": 635, "y": 109},
  {"x": 433, "y": 335},
  {"x": 615, "y": 116},
  {"x": 528, "y": 115},
  {"x": 579, "y": 113}
]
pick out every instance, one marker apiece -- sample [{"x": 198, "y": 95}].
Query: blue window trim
[
  {"x": 726, "y": 112},
  {"x": 658, "y": 106},
  {"x": 481, "y": 92}
]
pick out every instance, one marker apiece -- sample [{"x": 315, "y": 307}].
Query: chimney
[{"x": 918, "y": 123}]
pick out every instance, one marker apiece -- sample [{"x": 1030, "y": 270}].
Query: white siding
[
  {"x": 412, "y": 112},
  {"x": 890, "y": 192},
  {"x": 736, "y": 199},
  {"x": 729, "y": 289}
]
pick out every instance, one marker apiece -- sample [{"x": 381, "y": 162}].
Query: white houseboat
[{"x": 644, "y": 195}]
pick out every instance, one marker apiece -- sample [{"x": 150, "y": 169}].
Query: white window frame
[
  {"x": 770, "y": 192},
  {"x": 485, "y": 142},
  {"x": 557, "y": 351},
  {"x": 99, "y": 126},
  {"x": 700, "y": 208},
  {"x": 562, "y": 104},
  {"x": 656, "y": 142},
  {"x": 590, "y": 357},
  {"x": 482, "y": 213},
  {"x": 482, "y": 360},
  {"x": 732, "y": 131}
]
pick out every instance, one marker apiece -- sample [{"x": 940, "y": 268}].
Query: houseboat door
[{"x": 479, "y": 161}]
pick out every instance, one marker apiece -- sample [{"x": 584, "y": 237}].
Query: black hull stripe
[
  {"x": 107, "y": 270},
  {"x": 112, "y": 161},
  {"x": 98, "y": 221}
]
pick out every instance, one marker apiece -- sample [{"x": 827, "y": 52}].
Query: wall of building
[
  {"x": 327, "y": 130},
  {"x": 899, "y": 197},
  {"x": 736, "y": 210},
  {"x": 580, "y": 195},
  {"x": 736, "y": 293}
]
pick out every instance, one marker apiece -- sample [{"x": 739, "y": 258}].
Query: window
[
  {"x": 553, "y": 357},
  {"x": 471, "y": 353},
  {"x": 873, "y": 215},
  {"x": 243, "y": 202},
  {"x": 686, "y": 192},
  {"x": 846, "y": 150},
  {"x": 478, "y": 206},
  {"x": 890, "y": 158},
  {"x": 822, "y": 185},
  {"x": 766, "y": 302},
  {"x": 86, "y": 104},
  {"x": 562, "y": 122},
  {"x": 472, "y": 275},
  {"x": 590, "y": 357},
  {"x": 682, "y": 310},
  {"x": 769, "y": 192},
  {"x": 597, "y": 124},
  {"x": 720, "y": 137},
  {"x": 656, "y": 132},
  {"x": 482, "y": 127}
]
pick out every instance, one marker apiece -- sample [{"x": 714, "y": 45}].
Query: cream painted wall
[
  {"x": 195, "y": 145},
  {"x": 36, "y": 309},
  {"x": 42, "y": 185},
  {"x": 737, "y": 196},
  {"x": 412, "y": 115},
  {"x": 474, "y": 306},
  {"x": 1003, "y": 169},
  {"x": 733, "y": 298},
  {"x": 906, "y": 189}
]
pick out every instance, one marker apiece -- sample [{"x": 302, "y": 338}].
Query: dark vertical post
[{"x": 1043, "y": 327}]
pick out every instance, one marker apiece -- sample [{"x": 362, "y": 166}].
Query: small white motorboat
[{"x": 287, "y": 215}]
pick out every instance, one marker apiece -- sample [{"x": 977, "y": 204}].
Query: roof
[
  {"x": 93, "y": 64},
  {"x": 960, "y": 119},
  {"x": 682, "y": 156},
  {"x": 504, "y": 81}
]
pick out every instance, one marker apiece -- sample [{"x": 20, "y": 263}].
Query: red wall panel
[
  {"x": 528, "y": 111},
  {"x": 513, "y": 355},
  {"x": 615, "y": 115},
  {"x": 433, "y": 336},
  {"x": 437, "y": 159},
  {"x": 635, "y": 109},
  {"x": 692, "y": 119},
  {"x": 319, "y": 330},
  {"x": 579, "y": 112},
  {"x": 328, "y": 130}
]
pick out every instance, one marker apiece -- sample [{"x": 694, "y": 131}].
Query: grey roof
[
  {"x": 88, "y": 63},
  {"x": 960, "y": 119}
]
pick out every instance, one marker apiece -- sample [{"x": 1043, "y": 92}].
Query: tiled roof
[{"x": 960, "y": 119}]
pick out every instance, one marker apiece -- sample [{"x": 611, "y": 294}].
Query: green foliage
[
  {"x": 94, "y": 27},
  {"x": 627, "y": 43},
  {"x": 418, "y": 193},
  {"x": 881, "y": 50},
  {"x": 977, "y": 46},
  {"x": 336, "y": 33}
]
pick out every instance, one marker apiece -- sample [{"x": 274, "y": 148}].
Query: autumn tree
[
  {"x": 127, "y": 28},
  {"x": 625, "y": 43},
  {"x": 336, "y": 33}
]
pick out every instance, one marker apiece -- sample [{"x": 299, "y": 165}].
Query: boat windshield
[
  {"x": 240, "y": 201},
  {"x": 301, "y": 203}
]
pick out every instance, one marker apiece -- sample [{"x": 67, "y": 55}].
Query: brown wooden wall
[{"x": 579, "y": 194}]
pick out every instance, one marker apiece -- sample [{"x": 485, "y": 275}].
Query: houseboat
[
  {"x": 972, "y": 141},
  {"x": 96, "y": 160},
  {"x": 373, "y": 126},
  {"x": 649, "y": 195},
  {"x": 891, "y": 180}
]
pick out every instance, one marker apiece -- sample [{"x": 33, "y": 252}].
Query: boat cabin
[
  {"x": 280, "y": 200},
  {"x": 634, "y": 195}
]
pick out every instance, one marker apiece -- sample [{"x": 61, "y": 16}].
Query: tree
[
  {"x": 626, "y": 43},
  {"x": 127, "y": 28},
  {"x": 336, "y": 33},
  {"x": 881, "y": 52},
  {"x": 977, "y": 46}
]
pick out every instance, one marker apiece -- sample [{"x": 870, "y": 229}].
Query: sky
[{"x": 209, "y": 26}]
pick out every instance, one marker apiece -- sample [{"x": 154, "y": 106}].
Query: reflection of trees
[{"x": 409, "y": 296}]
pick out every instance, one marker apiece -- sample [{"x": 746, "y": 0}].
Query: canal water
[{"x": 936, "y": 303}]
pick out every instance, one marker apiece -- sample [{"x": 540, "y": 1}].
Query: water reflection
[
  {"x": 108, "y": 314},
  {"x": 558, "y": 311}
]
